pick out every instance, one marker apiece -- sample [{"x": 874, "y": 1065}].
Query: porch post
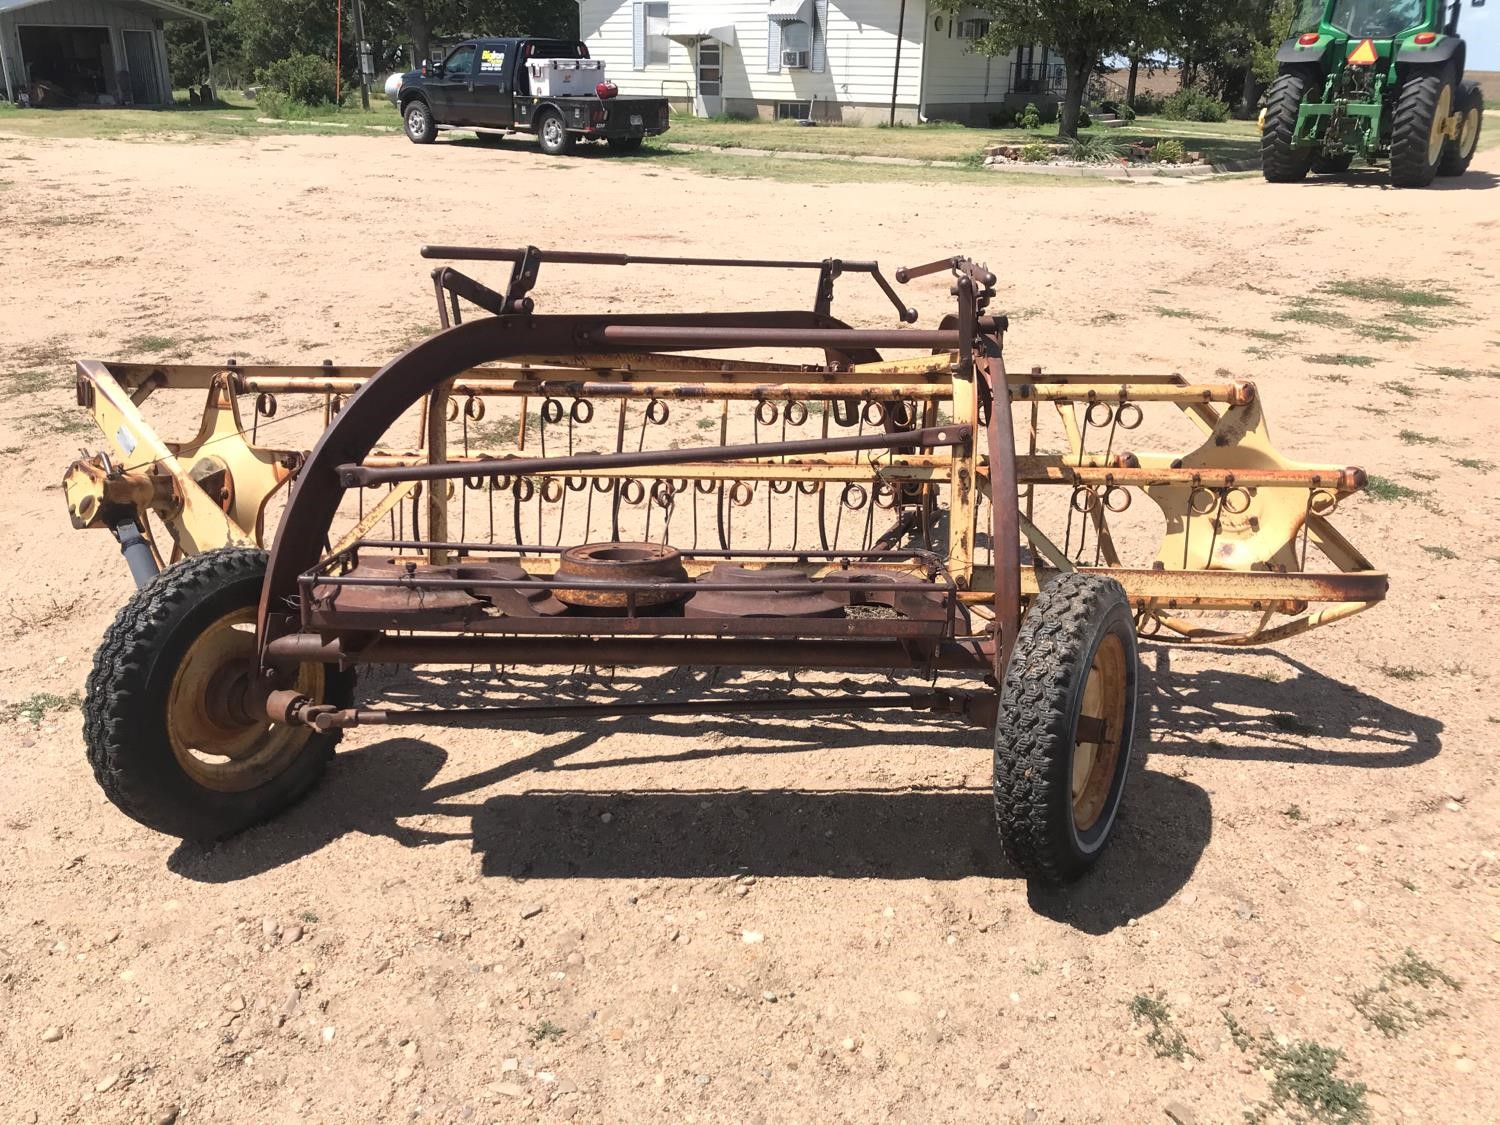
[{"x": 10, "y": 94}]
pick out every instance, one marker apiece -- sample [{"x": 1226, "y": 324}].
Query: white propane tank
[{"x": 554, "y": 77}]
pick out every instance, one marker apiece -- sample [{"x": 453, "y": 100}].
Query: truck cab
[{"x": 549, "y": 87}]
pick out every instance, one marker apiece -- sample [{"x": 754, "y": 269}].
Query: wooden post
[{"x": 208, "y": 47}]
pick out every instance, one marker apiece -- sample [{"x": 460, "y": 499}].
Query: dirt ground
[{"x": 718, "y": 919}]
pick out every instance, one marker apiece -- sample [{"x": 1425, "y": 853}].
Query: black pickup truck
[{"x": 494, "y": 86}]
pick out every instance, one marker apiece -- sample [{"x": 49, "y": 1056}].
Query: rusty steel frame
[{"x": 517, "y": 354}]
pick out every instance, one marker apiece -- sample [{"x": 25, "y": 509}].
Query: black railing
[{"x": 1038, "y": 78}]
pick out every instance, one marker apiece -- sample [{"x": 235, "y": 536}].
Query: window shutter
[
  {"x": 773, "y": 47},
  {"x": 819, "y": 59},
  {"x": 638, "y": 45}
]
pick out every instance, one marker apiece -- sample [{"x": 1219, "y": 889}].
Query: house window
[
  {"x": 793, "y": 111},
  {"x": 973, "y": 29},
  {"x": 796, "y": 35},
  {"x": 652, "y": 47}
]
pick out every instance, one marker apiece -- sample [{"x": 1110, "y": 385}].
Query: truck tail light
[
  {"x": 606, "y": 89},
  {"x": 599, "y": 116},
  {"x": 1307, "y": 38}
]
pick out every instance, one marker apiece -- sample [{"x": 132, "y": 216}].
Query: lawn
[
  {"x": 1232, "y": 140},
  {"x": 236, "y": 117}
]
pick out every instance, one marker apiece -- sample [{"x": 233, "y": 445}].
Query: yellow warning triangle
[{"x": 1364, "y": 54}]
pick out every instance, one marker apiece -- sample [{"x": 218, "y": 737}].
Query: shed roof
[{"x": 166, "y": 7}]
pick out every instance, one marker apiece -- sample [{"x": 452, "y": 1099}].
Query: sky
[{"x": 1480, "y": 28}]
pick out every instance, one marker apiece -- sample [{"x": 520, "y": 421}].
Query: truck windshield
[{"x": 1376, "y": 19}]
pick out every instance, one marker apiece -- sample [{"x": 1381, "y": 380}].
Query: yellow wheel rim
[
  {"x": 216, "y": 722},
  {"x": 1440, "y": 125},
  {"x": 1100, "y": 733},
  {"x": 1468, "y": 135}
]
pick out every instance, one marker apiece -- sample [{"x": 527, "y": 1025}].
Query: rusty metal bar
[
  {"x": 1237, "y": 393},
  {"x": 1051, "y": 470},
  {"x": 595, "y": 258},
  {"x": 958, "y": 655},
  {"x": 352, "y": 475}
]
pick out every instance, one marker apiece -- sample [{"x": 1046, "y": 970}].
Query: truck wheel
[
  {"x": 625, "y": 144},
  {"x": 1417, "y": 139},
  {"x": 552, "y": 135},
  {"x": 421, "y": 129},
  {"x": 1457, "y": 154},
  {"x": 1281, "y": 163},
  {"x": 176, "y": 740},
  {"x": 1066, "y": 725},
  {"x": 1337, "y": 165}
]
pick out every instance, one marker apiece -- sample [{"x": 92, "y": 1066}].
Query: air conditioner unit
[{"x": 794, "y": 60}]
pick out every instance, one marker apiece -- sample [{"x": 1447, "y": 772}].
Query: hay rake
[{"x": 542, "y": 489}]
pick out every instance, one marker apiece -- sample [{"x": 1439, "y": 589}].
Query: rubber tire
[
  {"x": 1470, "y": 100},
  {"x": 124, "y": 708},
  {"x": 1040, "y": 698},
  {"x": 1332, "y": 165},
  {"x": 625, "y": 145},
  {"x": 1411, "y": 130},
  {"x": 1281, "y": 163},
  {"x": 424, "y": 130},
  {"x": 561, "y": 148}
]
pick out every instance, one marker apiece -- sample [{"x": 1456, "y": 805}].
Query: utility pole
[{"x": 364, "y": 54}]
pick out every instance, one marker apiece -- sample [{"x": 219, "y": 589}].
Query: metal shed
[{"x": 96, "y": 52}]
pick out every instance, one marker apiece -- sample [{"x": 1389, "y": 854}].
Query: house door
[
  {"x": 709, "y": 99},
  {"x": 140, "y": 60}
]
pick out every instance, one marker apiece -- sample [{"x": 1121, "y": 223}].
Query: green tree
[{"x": 1082, "y": 32}]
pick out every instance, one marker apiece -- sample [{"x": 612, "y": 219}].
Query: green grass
[
  {"x": 1382, "y": 333},
  {"x": 1411, "y": 437},
  {"x": 1293, "y": 812},
  {"x": 1305, "y": 310},
  {"x": 1383, "y": 488},
  {"x": 1301, "y": 1073},
  {"x": 1388, "y": 1006},
  {"x": 1475, "y": 463},
  {"x": 1384, "y": 290},
  {"x": 1404, "y": 672},
  {"x": 24, "y": 383},
  {"x": 149, "y": 343},
  {"x": 1290, "y": 724},
  {"x": 1462, "y": 374},
  {"x": 1175, "y": 314},
  {"x": 1440, "y": 552},
  {"x": 544, "y": 1031},
  {"x": 1163, "y": 1035},
  {"x": 1341, "y": 359},
  {"x": 36, "y": 705},
  {"x": 237, "y": 118},
  {"x": 1397, "y": 387}
]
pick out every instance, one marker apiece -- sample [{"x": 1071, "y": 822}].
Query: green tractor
[{"x": 1374, "y": 79}]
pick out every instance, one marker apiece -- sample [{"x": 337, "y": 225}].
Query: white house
[
  {"x": 853, "y": 61},
  {"x": 98, "y": 52}
]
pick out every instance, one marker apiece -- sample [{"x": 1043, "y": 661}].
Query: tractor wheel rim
[
  {"x": 215, "y": 724},
  {"x": 1439, "y": 134},
  {"x": 1096, "y": 753},
  {"x": 1469, "y": 135}
]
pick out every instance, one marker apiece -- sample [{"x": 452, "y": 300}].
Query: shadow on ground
[
  {"x": 1472, "y": 180},
  {"x": 911, "y": 832}
]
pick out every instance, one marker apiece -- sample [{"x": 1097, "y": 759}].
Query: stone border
[{"x": 1116, "y": 171}]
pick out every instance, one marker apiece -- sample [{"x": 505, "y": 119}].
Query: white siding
[
  {"x": 957, "y": 74},
  {"x": 861, "y": 50},
  {"x": 83, "y": 13}
]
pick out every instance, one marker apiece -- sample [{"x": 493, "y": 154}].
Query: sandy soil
[{"x": 452, "y": 929}]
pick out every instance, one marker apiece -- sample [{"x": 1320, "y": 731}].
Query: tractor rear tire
[
  {"x": 1457, "y": 154},
  {"x": 1332, "y": 165},
  {"x": 1417, "y": 140},
  {"x": 170, "y": 714},
  {"x": 1065, "y": 729},
  {"x": 1281, "y": 163}
]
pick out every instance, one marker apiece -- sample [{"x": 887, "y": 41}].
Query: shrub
[
  {"x": 304, "y": 79},
  {"x": 1031, "y": 117},
  {"x": 1148, "y": 103},
  {"x": 1035, "y": 152},
  {"x": 1084, "y": 120},
  {"x": 1097, "y": 148},
  {"x": 1127, "y": 114},
  {"x": 1168, "y": 151},
  {"x": 1002, "y": 118},
  {"x": 1109, "y": 105},
  {"x": 1194, "y": 105}
]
